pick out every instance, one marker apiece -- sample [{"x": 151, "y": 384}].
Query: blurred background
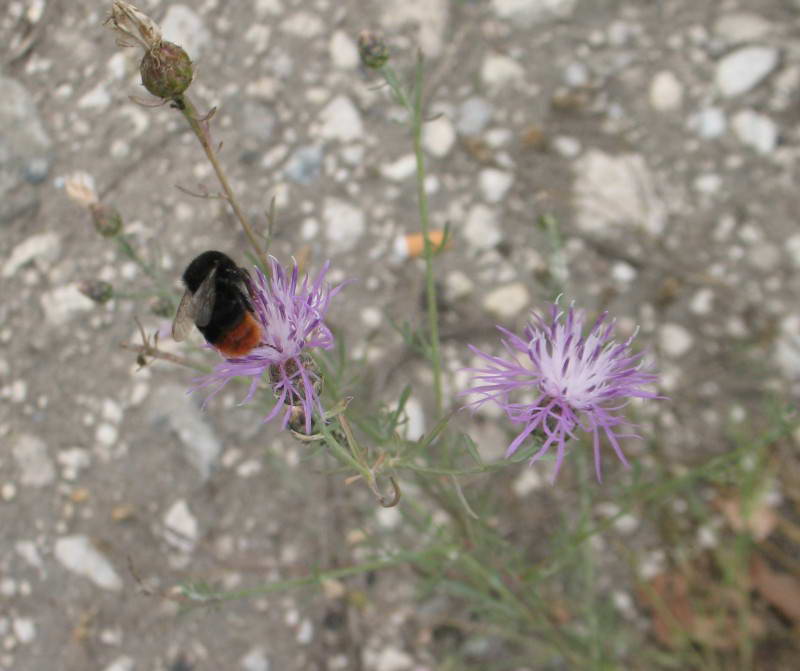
[{"x": 661, "y": 141}]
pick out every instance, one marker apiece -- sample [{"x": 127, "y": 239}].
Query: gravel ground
[{"x": 663, "y": 135}]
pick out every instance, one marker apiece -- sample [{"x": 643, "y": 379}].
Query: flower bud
[
  {"x": 100, "y": 292},
  {"x": 372, "y": 49},
  {"x": 107, "y": 220},
  {"x": 166, "y": 70}
]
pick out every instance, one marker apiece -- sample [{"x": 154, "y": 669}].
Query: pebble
[
  {"x": 79, "y": 555},
  {"x": 344, "y": 224},
  {"x": 36, "y": 467},
  {"x": 740, "y": 27},
  {"x": 183, "y": 26},
  {"x": 255, "y": 660},
  {"x": 755, "y": 130},
  {"x": 401, "y": 169},
  {"x": 43, "y": 248},
  {"x": 305, "y": 632},
  {"x": 304, "y": 165},
  {"x": 303, "y": 24},
  {"x": 708, "y": 183},
  {"x": 25, "y": 150},
  {"x": 96, "y": 99},
  {"x": 458, "y": 285},
  {"x": 343, "y": 51},
  {"x": 123, "y": 663},
  {"x": 708, "y": 123},
  {"x": 482, "y": 227},
  {"x": 568, "y": 147},
  {"x": 525, "y": 13},
  {"x": 415, "y": 415},
  {"x": 666, "y": 92},
  {"x": 393, "y": 659},
  {"x": 576, "y": 75},
  {"x": 62, "y": 304},
  {"x": 473, "y": 116},
  {"x": 529, "y": 480},
  {"x": 507, "y": 301},
  {"x": 616, "y": 190},
  {"x": 499, "y": 71},
  {"x": 340, "y": 120},
  {"x": 171, "y": 405},
  {"x": 258, "y": 36},
  {"x": 439, "y": 136},
  {"x": 494, "y": 184},
  {"x": 24, "y": 629},
  {"x": 702, "y": 301},
  {"x": 743, "y": 69},
  {"x": 180, "y": 526},
  {"x": 675, "y": 340},
  {"x": 430, "y": 15}
]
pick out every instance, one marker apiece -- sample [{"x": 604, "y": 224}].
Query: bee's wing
[
  {"x": 184, "y": 317},
  {"x": 195, "y": 308}
]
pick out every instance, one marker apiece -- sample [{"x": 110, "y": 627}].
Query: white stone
[
  {"x": 79, "y": 555},
  {"x": 29, "y": 552},
  {"x": 529, "y": 480},
  {"x": 792, "y": 246},
  {"x": 675, "y": 340},
  {"x": 707, "y": 183},
  {"x": 438, "y": 136},
  {"x": 473, "y": 115},
  {"x": 340, "y": 120},
  {"x": 666, "y": 92},
  {"x": 343, "y": 51},
  {"x": 431, "y": 16},
  {"x": 740, "y": 27},
  {"x": 566, "y": 146},
  {"x": 702, "y": 301},
  {"x": 43, "y": 248},
  {"x": 255, "y": 660},
  {"x": 401, "y": 169},
  {"x": 257, "y": 35},
  {"x": 576, "y": 75},
  {"x": 616, "y": 191},
  {"x": 24, "y": 629},
  {"x": 344, "y": 224},
  {"x": 756, "y": 130},
  {"x": 482, "y": 227},
  {"x": 414, "y": 428},
  {"x": 458, "y": 285},
  {"x": 64, "y": 303},
  {"x": 180, "y": 526},
  {"x": 525, "y": 13},
  {"x": 123, "y": 663},
  {"x": 393, "y": 659},
  {"x": 743, "y": 69},
  {"x": 708, "y": 123},
  {"x": 185, "y": 27},
  {"x": 303, "y": 24},
  {"x": 36, "y": 467},
  {"x": 494, "y": 184},
  {"x": 507, "y": 301},
  {"x": 106, "y": 434},
  {"x": 499, "y": 71},
  {"x": 97, "y": 98},
  {"x": 623, "y": 272}
]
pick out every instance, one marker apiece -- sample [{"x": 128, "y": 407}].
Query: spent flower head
[
  {"x": 372, "y": 49},
  {"x": 291, "y": 314},
  {"x": 575, "y": 382}
]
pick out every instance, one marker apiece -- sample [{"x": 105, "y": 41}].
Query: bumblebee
[{"x": 217, "y": 301}]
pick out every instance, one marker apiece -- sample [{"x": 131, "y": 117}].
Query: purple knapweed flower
[
  {"x": 575, "y": 382},
  {"x": 291, "y": 315}
]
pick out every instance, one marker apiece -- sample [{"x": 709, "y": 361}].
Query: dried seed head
[
  {"x": 372, "y": 49},
  {"x": 99, "y": 291},
  {"x": 166, "y": 70},
  {"x": 131, "y": 24},
  {"x": 107, "y": 220}
]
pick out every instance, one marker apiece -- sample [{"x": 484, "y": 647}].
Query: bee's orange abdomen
[{"x": 241, "y": 339}]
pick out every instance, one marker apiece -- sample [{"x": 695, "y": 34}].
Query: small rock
[
  {"x": 24, "y": 629},
  {"x": 415, "y": 416},
  {"x": 482, "y": 227},
  {"x": 393, "y": 659},
  {"x": 708, "y": 123},
  {"x": 304, "y": 165},
  {"x": 568, "y": 147},
  {"x": 305, "y": 633},
  {"x": 183, "y": 26},
  {"x": 494, "y": 184},
  {"x": 458, "y": 285},
  {"x": 170, "y": 404},
  {"x": 499, "y": 71},
  {"x": 180, "y": 526},
  {"x": 343, "y": 51},
  {"x": 97, "y": 99},
  {"x": 430, "y": 15},
  {"x": 79, "y": 555},
  {"x": 401, "y": 169},
  {"x": 303, "y": 24},
  {"x": 745, "y": 68},
  {"x": 255, "y": 660},
  {"x": 36, "y": 467},
  {"x": 473, "y": 115},
  {"x": 666, "y": 92},
  {"x": 740, "y": 27},
  {"x": 675, "y": 340},
  {"x": 62, "y": 304},
  {"x": 529, "y": 480},
  {"x": 340, "y": 120},
  {"x": 756, "y": 130},
  {"x": 526, "y": 13},
  {"x": 438, "y": 136},
  {"x": 344, "y": 224},
  {"x": 576, "y": 75},
  {"x": 123, "y": 663},
  {"x": 43, "y": 248},
  {"x": 708, "y": 183},
  {"x": 507, "y": 301}
]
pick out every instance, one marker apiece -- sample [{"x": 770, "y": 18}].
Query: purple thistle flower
[
  {"x": 291, "y": 317},
  {"x": 578, "y": 382}
]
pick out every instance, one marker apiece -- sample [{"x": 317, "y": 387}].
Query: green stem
[
  {"x": 587, "y": 560},
  {"x": 200, "y": 128}
]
